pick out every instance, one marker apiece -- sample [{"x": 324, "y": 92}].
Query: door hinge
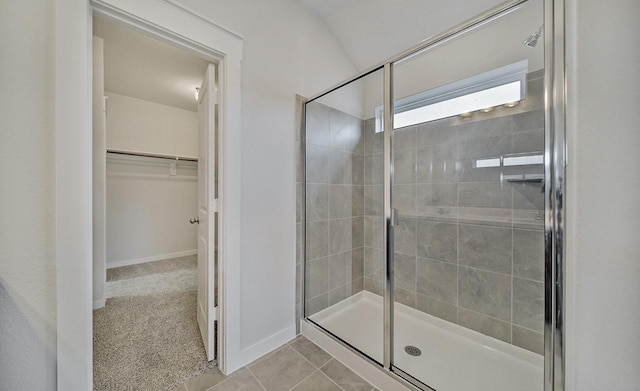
[
  {"x": 214, "y": 205},
  {"x": 216, "y": 96}
]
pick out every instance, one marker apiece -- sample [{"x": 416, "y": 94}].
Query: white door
[{"x": 206, "y": 211}]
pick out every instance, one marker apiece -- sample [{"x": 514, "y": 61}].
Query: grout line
[
  {"x": 302, "y": 381},
  {"x": 318, "y": 369},
  {"x": 255, "y": 377}
]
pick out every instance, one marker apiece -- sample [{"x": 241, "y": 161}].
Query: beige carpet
[{"x": 147, "y": 337}]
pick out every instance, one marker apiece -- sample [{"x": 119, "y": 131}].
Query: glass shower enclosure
[{"x": 433, "y": 232}]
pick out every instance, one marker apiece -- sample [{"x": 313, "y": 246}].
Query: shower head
[{"x": 532, "y": 40}]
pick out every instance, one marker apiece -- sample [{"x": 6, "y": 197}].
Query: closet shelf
[{"x": 154, "y": 155}]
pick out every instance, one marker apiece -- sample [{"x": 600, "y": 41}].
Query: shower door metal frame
[{"x": 554, "y": 189}]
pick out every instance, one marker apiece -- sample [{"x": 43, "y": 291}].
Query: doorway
[{"x": 155, "y": 211}]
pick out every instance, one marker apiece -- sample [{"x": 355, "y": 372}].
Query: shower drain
[{"x": 412, "y": 350}]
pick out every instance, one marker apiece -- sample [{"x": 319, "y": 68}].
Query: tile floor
[{"x": 299, "y": 365}]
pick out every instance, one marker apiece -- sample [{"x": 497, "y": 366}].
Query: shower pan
[{"x": 432, "y": 198}]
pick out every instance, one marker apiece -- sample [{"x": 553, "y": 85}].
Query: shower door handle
[{"x": 395, "y": 217}]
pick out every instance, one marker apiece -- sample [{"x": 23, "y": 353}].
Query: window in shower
[{"x": 503, "y": 86}]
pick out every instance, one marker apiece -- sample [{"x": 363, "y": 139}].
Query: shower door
[
  {"x": 468, "y": 164},
  {"x": 343, "y": 211},
  {"x": 433, "y": 221}
]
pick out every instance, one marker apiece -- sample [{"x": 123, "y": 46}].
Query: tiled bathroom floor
[{"x": 299, "y": 365}]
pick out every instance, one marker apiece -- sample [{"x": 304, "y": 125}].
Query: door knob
[{"x": 195, "y": 221}]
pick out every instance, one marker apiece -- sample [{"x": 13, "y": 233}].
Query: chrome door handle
[{"x": 195, "y": 221}]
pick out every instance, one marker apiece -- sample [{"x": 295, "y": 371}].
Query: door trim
[{"x": 179, "y": 26}]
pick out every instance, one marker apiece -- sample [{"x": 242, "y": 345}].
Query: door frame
[{"x": 169, "y": 22}]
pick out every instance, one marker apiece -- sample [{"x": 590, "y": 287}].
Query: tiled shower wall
[
  {"x": 334, "y": 207},
  {"x": 469, "y": 247}
]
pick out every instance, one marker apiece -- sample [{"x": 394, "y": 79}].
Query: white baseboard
[
  {"x": 127, "y": 262},
  {"x": 99, "y": 304},
  {"x": 259, "y": 349}
]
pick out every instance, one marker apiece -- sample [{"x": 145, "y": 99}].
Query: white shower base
[{"x": 453, "y": 358}]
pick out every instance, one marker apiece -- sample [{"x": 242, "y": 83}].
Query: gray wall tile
[
  {"x": 316, "y": 304},
  {"x": 485, "y": 195},
  {"x": 432, "y": 197},
  {"x": 342, "y": 132},
  {"x": 406, "y": 297},
  {"x": 317, "y": 164},
  {"x": 373, "y": 286},
  {"x": 528, "y": 339},
  {"x": 317, "y": 239},
  {"x": 437, "y": 241},
  {"x": 373, "y": 169},
  {"x": 357, "y": 232},
  {"x": 404, "y": 138},
  {"x": 317, "y": 277},
  {"x": 357, "y": 169},
  {"x": 528, "y": 304},
  {"x": 317, "y": 202},
  {"x": 339, "y": 236},
  {"x": 339, "y": 269},
  {"x": 373, "y": 142},
  {"x": 373, "y": 231},
  {"x": 437, "y": 308},
  {"x": 483, "y": 324},
  {"x": 405, "y": 237},
  {"x": 436, "y": 163},
  {"x": 317, "y": 131},
  {"x": 438, "y": 280},
  {"x": 357, "y": 263},
  {"x": 373, "y": 200},
  {"x": 357, "y": 200},
  {"x": 487, "y": 248},
  {"x": 338, "y": 294},
  {"x": 405, "y": 272},
  {"x": 373, "y": 258},
  {"x": 404, "y": 166},
  {"x": 528, "y": 254},
  {"x": 340, "y": 198},
  {"x": 357, "y": 285},
  {"x": 405, "y": 199},
  {"x": 485, "y": 292},
  {"x": 340, "y": 170}
]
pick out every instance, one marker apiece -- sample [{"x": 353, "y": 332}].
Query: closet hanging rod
[{"x": 155, "y": 155}]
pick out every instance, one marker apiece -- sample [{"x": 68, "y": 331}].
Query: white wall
[
  {"x": 139, "y": 125},
  {"x": 27, "y": 207},
  {"x": 286, "y": 51},
  {"x": 603, "y": 203},
  {"x": 148, "y": 210}
]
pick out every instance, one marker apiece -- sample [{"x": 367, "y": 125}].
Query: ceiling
[
  {"x": 371, "y": 31},
  {"x": 143, "y": 67}
]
